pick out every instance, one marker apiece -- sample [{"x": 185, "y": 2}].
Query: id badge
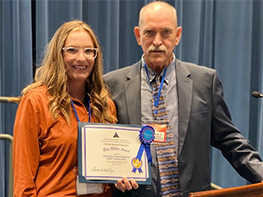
[
  {"x": 160, "y": 132},
  {"x": 89, "y": 188}
]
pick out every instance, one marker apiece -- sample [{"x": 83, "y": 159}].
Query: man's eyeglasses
[{"x": 72, "y": 52}]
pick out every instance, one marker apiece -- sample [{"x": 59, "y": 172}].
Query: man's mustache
[{"x": 154, "y": 48}]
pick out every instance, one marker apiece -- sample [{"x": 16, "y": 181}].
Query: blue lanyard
[
  {"x": 75, "y": 111},
  {"x": 156, "y": 98}
]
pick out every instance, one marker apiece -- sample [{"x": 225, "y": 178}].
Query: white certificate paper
[{"x": 107, "y": 152}]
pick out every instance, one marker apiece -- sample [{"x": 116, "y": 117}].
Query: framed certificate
[{"x": 107, "y": 152}]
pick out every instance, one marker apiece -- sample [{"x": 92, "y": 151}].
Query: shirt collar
[{"x": 152, "y": 74}]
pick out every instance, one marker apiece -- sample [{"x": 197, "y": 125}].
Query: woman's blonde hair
[{"x": 52, "y": 74}]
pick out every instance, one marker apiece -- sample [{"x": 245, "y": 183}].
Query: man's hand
[{"x": 125, "y": 184}]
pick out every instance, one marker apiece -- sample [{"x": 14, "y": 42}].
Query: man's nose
[{"x": 157, "y": 40}]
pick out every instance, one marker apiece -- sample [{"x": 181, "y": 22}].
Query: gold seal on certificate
[{"x": 108, "y": 152}]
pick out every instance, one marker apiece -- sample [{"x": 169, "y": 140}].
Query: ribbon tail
[
  {"x": 148, "y": 153},
  {"x": 140, "y": 152}
]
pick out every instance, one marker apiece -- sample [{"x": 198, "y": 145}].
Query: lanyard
[
  {"x": 156, "y": 98},
  {"x": 75, "y": 111}
]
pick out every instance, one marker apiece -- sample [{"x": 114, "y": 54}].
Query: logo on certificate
[{"x": 116, "y": 135}]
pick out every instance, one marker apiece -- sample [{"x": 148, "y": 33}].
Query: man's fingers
[
  {"x": 134, "y": 184},
  {"x": 120, "y": 185},
  {"x": 125, "y": 184}
]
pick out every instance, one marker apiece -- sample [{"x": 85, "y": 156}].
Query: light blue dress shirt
[{"x": 171, "y": 99}]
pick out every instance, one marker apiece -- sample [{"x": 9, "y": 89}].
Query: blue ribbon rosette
[{"x": 146, "y": 137}]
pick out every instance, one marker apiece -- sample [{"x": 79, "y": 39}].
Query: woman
[{"x": 68, "y": 88}]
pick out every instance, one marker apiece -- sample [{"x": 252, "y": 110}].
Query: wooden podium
[{"x": 253, "y": 190}]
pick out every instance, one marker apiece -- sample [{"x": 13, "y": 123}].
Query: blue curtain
[
  {"x": 224, "y": 35},
  {"x": 15, "y": 68}
]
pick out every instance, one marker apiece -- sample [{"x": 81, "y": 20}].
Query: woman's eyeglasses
[{"x": 89, "y": 53}]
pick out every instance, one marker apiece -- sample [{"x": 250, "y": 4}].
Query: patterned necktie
[{"x": 166, "y": 152}]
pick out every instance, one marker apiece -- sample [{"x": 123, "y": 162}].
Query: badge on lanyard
[
  {"x": 160, "y": 129},
  {"x": 160, "y": 132}
]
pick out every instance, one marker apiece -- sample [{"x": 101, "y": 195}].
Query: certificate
[{"x": 107, "y": 152}]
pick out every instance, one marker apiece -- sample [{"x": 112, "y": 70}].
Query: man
[{"x": 198, "y": 115}]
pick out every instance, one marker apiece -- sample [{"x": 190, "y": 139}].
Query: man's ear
[
  {"x": 178, "y": 35},
  {"x": 137, "y": 34}
]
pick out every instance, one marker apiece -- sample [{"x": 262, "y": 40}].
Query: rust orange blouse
[{"x": 45, "y": 150}]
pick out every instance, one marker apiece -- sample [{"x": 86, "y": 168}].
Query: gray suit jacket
[{"x": 204, "y": 120}]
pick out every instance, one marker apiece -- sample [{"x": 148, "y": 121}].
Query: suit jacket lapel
[
  {"x": 133, "y": 94},
  {"x": 185, "y": 88}
]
